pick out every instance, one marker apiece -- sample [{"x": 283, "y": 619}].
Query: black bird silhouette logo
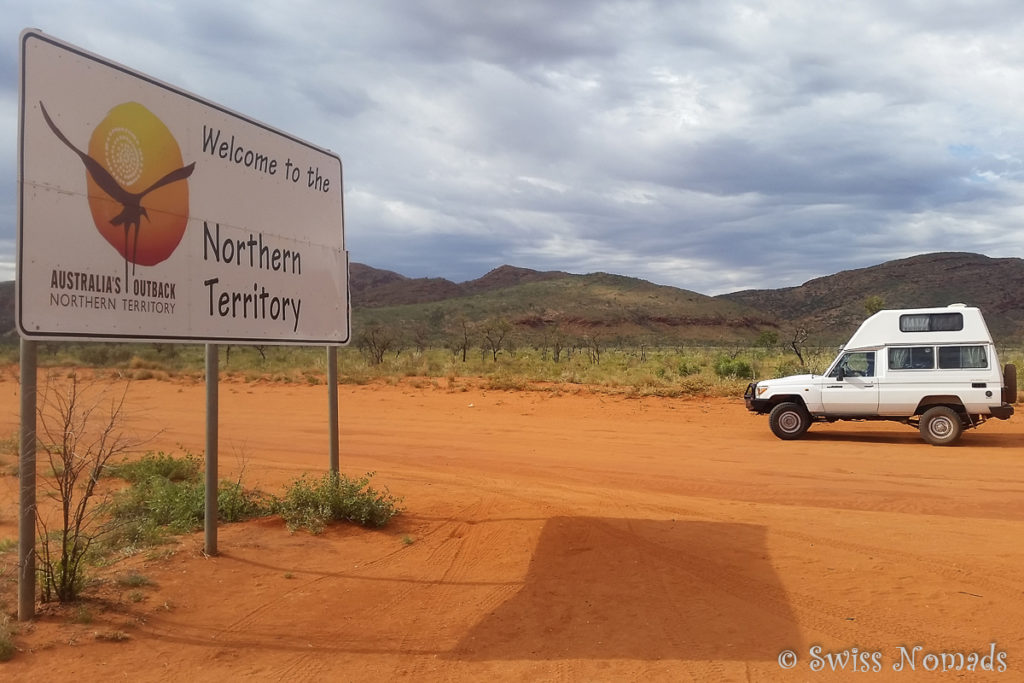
[{"x": 132, "y": 210}]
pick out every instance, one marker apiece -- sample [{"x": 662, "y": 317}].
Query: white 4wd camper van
[{"x": 932, "y": 368}]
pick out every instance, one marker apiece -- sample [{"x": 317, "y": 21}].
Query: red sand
[{"x": 554, "y": 536}]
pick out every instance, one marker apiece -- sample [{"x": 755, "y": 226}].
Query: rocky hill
[
  {"x": 613, "y": 307},
  {"x": 833, "y": 306},
  {"x": 375, "y": 288}
]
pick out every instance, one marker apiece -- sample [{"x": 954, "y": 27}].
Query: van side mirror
[{"x": 840, "y": 374}]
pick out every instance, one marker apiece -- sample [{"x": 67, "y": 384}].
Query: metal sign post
[
  {"x": 212, "y": 411},
  {"x": 332, "y": 405},
  {"x": 27, "y": 476}
]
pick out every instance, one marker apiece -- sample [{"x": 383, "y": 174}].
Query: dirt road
[{"x": 563, "y": 536}]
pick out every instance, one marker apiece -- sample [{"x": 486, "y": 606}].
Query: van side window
[
  {"x": 912, "y": 358},
  {"x": 951, "y": 357},
  {"x": 932, "y": 322}
]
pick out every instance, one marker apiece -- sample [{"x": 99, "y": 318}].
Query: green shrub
[
  {"x": 102, "y": 355},
  {"x": 312, "y": 503},
  {"x": 159, "y": 465},
  {"x": 134, "y": 580},
  {"x": 236, "y": 504},
  {"x": 151, "y": 507},
  {"x": 7, "y": 648},
  {"x": 790, "y": 367},
  {"x": 687, "y": 367},
  {"x": 159, "y": 502},
  {"x": 168, "y": 496},
  {"x": 733, "y": 368}
]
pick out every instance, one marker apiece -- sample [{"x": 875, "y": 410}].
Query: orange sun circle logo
[
  {"x": 136, "y": 183},
  {"x": 137, "y": 149}
]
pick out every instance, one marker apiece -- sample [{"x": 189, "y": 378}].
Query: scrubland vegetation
[{"x": 704, "y": 370}]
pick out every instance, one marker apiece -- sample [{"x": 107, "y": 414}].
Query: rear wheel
[
  {"x": 789, "y": 420},
  {"x": 1010, "y": 383},
  {"x": 941, "y": 426}
]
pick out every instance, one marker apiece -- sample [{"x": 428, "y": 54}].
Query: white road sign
[{"x": 147, "y": 212}]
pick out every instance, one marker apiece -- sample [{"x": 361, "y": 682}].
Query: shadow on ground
[{"x": 641, "y": 589}]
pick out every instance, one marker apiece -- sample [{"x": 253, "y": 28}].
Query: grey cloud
[{"x": 710, "y": 145}]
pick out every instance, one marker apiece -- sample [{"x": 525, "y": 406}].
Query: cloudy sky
[{"x": 714, "y": 146}]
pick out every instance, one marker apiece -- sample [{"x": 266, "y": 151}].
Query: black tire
[
  {"x": 789, "y": 420},
  {"x": 1009, "y": 383},
  {"x": 941, "y": 426}
]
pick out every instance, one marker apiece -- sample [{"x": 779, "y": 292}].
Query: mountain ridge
[
  {"x": 828, "y": 307},
  {"x": 626, "y": 310}
]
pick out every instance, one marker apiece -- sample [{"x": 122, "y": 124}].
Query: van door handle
[{"x": 835, "y": 386}]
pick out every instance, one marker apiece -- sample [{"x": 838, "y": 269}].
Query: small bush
[
  {"x": 311, "y": 504},
  {"x": 134, "y": 580},
  {"x": 112, "y": 636},
  {"x": 136, "y": 363},
  {"x": 788, "y": 368},
  {"x": 733, "y": 367},
  {"x": 159, "y": 465},
  {"x": 236, "y": 504},
  {"x": 687, "y": 367},
  {"x": 7, "y": 648},
  {"x": 506, "y": 383},
  {"x": 11, "y": 445},
  {"x": 103, "y": 355},
  {"x": 168, "y": 496},
  {"x": 149, "y": 509},
  {"x": 176, "y": 505}
]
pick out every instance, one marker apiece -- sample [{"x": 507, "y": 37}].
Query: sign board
[{"x": 148, "y": 213}]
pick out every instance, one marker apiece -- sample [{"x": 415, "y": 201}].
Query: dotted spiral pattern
[{"x": 124, "y": 156}]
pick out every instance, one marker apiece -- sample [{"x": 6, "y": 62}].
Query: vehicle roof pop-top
[{"x": 953, "y": 324}]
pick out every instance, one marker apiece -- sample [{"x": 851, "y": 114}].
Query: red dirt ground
[{"x": 561, "y": 536}]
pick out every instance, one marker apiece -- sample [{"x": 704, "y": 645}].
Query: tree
[
  {"x": 767, "y": 339},
  {"x": 799, "y": 338},
  {"x": 420, "y": 335},
  {"x": 873, "y": 304},
  {"x": 555, "y": 337},
  {"x": 460, "y": 332},
  {"x": 593, "y": 343},
  {"x": 645, "y": 343},
  {"x": 260, "y": 349},
  {"x": 79, "y": 431},
  {"x": 494, "y": 332},
  {"x": 375, "y": 341}
]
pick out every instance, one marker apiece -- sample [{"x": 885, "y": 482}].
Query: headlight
[{"x": 761, "y": 390}]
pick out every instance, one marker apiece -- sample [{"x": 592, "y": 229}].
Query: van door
[{"x": 852, "y": 387}]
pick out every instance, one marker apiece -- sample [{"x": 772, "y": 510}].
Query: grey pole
[
  {"x": 27, "y": 479},
  {"x": 332, "y": 405},
  {"x": 212, "y": 410}
]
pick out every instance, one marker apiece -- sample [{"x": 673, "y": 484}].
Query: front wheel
[
  {"x": 941, "y": 426},
  {"x": 789, "y": 420}
]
